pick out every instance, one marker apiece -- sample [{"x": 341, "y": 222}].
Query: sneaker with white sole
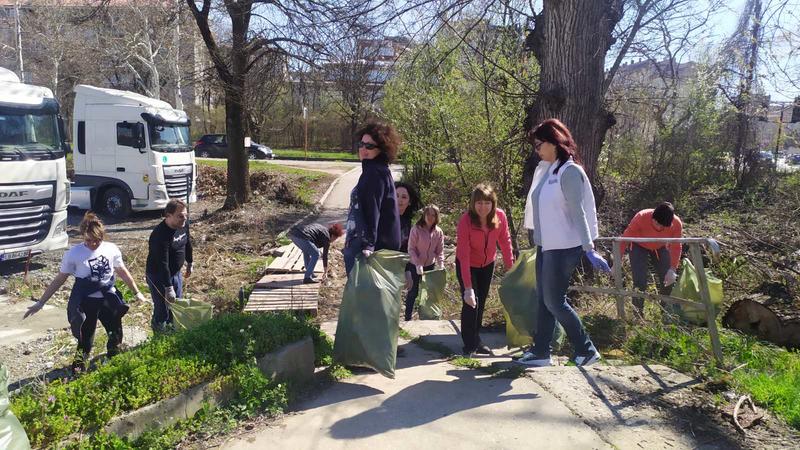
[
  {"x": 529, "y": 359},
  {"x": 583, "y": 361}
]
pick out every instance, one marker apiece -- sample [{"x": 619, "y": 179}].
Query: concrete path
[
  {"x": 14, "y": 330},
  {"x": 433, "y": 404},
  {"x": 429, "y": 404}
]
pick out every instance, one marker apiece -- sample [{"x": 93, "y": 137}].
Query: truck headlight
[
  {"x": 160, "y": 195},
  {"x": 61, "y": 227}
]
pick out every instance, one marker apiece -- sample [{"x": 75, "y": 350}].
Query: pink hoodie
[
  {"x": 425, "y": 247},
  {"x": 477, "y": 247}
]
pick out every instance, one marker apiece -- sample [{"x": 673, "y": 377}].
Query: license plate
[{"x": 13, "y": 255}]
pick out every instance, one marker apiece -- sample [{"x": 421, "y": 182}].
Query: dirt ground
[{"x": 230, "y": 252}]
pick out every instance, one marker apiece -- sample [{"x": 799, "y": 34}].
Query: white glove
[
  {"x": 670, "y": 277},
  {"x": 469, "y": 297},
  {"x": 169, "y": 295},
  {"x": 419, "y": 270},
  {"x": 140, "y": 297},
  {"x": 367, "y": 253}
]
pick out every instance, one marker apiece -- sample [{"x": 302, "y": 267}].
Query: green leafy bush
[{"x": 159, "y": 369}]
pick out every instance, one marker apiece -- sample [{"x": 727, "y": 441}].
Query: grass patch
[
  {"x": 771, "y": 375},
  {"x": 266, "y": 166},
  {"x": 467, "y": 363},
  {"x": 161, "y": 368},
  {"x": 316, "y": 154}
]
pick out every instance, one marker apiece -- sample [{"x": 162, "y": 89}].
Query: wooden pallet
[
  {"x": 282, "y": 292},
  {"x": 291, "y": 261}
]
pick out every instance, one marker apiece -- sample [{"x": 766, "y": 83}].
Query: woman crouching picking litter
[
  {"x": 561, "y": 212},
  {"x": 93, "y": 263},
  {"x": 480, "y": 230},
  {"x": 425, "y": 247},
  {"x": 311, "y": 237}
]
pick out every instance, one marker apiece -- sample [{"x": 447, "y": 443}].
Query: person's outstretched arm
[{"x": 54, "y": 286}]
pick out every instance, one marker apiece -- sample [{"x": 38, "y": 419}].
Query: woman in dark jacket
[
  {"x": 373, "y": 219},
  {"x": 408, "y": 203}
]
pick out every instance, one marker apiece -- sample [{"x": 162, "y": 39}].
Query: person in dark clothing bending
[
  {"x": 311, "y": 237},
  {"x": 170, "y": 247},
  {"x": 408, "y": 203},
  {"x": 373, "y": 219}
]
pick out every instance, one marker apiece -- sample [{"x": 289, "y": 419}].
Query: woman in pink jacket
[
  {"x": 425, "y": 247},
  {"x": 479, "y": 232}
]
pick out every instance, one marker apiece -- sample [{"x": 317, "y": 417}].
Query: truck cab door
[{"x": 133, "y": 161}]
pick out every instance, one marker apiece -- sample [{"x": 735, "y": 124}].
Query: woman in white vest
[{"x": 561, "y": 212}]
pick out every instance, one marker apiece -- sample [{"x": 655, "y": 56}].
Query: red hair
[
  {"x": 556, "y": 133},
  {"x": 335, "y": 231}
]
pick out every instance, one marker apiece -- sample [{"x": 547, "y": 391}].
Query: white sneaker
[
  {"x": 529, "y": 359},
  {"x": 583, "y": 361}
]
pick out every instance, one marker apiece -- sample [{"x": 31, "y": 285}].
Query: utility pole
[
  {"x": 305, "y": 130},
  {"x": 19, "y": 42}
]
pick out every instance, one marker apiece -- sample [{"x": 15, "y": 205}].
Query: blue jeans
[
  {"x": 554, "y": 268},
  {"x": 161, "y": 313},
  {"x": 310, "y": 254}
]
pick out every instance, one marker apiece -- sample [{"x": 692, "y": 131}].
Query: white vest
[{"x": 557, "y": 228}]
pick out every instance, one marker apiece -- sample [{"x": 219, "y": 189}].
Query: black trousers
[
  {"x": 471, "y": 318},
  {"x": 96, "y": 309},
  {"x": 411, "y": 297}
]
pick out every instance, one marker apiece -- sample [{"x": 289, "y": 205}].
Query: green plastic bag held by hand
[
  {"x": 12, "y": 435},
  {"x": 519, "y": 298},
  {"x": 189, "y": 313},
  {"x": 431, "y": 294},
  {"x": 688, "y": 287},
  {"x": 369, "y": 317}
]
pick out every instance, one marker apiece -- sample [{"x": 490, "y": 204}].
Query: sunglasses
[{"x": 367, "y": 145}]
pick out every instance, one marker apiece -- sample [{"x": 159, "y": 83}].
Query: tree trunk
[
  {"x": 238, "y": 164},
  {"x": 570, "y": 41},
  {"x": 744, "y": 101}
]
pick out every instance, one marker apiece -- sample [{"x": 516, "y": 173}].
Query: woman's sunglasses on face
[{"x": 367, "y": 145}]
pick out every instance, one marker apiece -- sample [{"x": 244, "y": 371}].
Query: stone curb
[{"x": 293, "y": 362}]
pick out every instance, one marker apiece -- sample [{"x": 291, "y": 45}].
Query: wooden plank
[{"x": 711, "y": 315}]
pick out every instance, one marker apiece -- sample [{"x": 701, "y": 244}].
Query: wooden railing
[{"x": 695, "y": 255}]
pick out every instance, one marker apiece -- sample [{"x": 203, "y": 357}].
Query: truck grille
[
  {"x": 25, "y": 222},
  {"x": 178, "y": 180}
]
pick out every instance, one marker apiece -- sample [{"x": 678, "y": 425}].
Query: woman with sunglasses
[
  {"x": 560, "y": 210},
  {"x": 93, "y": 263},
  {"x": 373, "y": 219}
]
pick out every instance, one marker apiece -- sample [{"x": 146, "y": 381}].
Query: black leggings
[
  {"x": 471, "y": 318},
  {"x": 96, "y": 309}
]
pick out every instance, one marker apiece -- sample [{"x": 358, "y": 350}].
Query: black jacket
[
  {"x": 374, "y": 220},
  {"x": 169, "y": 249}
]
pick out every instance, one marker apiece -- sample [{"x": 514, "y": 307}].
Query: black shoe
[
  {"x": 112, "y": 352},
  {"x": 484, "y": 350},
  {"x": 466, "y": 353},
  {"x": 309, "y": 281}
]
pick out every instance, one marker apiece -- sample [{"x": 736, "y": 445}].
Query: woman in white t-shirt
[{"x": 93, "y": 263}]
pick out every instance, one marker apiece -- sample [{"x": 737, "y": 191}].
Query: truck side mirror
[
  {"x": 138, "y": 136},
  {"x": 62, "y": 135}
]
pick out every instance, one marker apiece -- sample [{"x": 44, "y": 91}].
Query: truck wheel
[
  {"x": 203, "y": 154},
  {"x": 117, "y": 203}
]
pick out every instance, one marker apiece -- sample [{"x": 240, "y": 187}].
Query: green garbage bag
[
  {"x": 431, "y": 294},
  {"x": 369, "y": 317},
  {"x": 12, "y": 435},
  {"x": 518, "y": 296},
  {"x": 688, "y": 286},
  {"x": 188, "y": 313}
]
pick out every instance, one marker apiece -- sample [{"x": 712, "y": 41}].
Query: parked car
[
  {"x": 793, "y": 160},
  {"x": 216, "y": 146}
]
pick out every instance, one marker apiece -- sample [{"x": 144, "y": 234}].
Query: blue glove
[{"x": 598, "y": 262}]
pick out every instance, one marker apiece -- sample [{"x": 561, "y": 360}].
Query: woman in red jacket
[{"x": 480, "y": 230}]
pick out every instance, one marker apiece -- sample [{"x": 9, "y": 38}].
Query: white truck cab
[
  {"x": 131, "y": 152},
  {"x": 34, "y": 189}
]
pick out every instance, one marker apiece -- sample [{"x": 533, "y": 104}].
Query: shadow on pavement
[{"x": 422, "y": 403}]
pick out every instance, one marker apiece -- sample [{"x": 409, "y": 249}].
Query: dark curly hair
[
  {"x": 414, "y": 201},
  {"x": 385, "y": 136}
]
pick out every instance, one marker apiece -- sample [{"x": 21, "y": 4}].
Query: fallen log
[{"x": 776, "y": 321}]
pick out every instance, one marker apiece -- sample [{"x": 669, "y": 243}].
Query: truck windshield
[
  {"x": 170, "y": 137},
  {"x": 29, "y": 136}
]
